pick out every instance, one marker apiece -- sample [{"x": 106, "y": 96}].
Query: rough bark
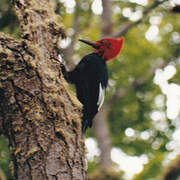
[{"x": 38, "y": 114}]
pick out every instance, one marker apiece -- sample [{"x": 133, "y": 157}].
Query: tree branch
[{"x": 126, "y": 27}]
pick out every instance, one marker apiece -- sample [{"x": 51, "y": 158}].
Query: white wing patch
[{"x": 101, "y": 96}]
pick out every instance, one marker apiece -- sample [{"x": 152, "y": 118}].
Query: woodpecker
[{"x": 90, "y": 76}]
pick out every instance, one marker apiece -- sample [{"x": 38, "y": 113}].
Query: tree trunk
[
  {"x": 106, "y": 26},
  {"x": 101, "y": 132},
  {"x": 100, "y": 127},
  {"x": 38, "y": 114}
]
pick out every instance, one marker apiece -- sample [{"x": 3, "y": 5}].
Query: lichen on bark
[{"x": 38, "y": 113}]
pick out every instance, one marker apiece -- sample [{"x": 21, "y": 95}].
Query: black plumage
[
  {"x": 90, "y": 78},
  {"x": 176, "y": 9}
]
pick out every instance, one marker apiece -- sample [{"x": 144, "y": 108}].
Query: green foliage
[
  {"x": 152, "y": 169},
  {"x": 5, "y": 157},
  {"x": 136, "y": 62},
  {"x": 8, "y": 20},
  {"x": 100, "y": 174},
  {"x": 92, "y": 166}
]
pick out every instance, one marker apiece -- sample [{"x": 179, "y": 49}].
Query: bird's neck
[{"x": 100, "y": 54}]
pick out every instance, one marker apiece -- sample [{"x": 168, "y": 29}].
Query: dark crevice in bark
[
  {"x": 15, "y": 166},
  {"x": 3, "y": 126},
  {"x": 26, "y": 50},
  {"x": 30, "y": 170},
  {"x": 61, "y": 137},
  {"x": 54, "y": 177},
  {"x": 70, "y": 167}
]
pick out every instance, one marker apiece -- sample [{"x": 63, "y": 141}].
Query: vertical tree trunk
[
  {"x": 100, "y": 127},
  {"x": 101, "y": 132},
  {"x": 37, "y": 113},
  {"x": 106, "y": 26}
]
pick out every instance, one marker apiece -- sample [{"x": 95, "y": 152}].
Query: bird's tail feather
[{"x": 85, "y": 124}]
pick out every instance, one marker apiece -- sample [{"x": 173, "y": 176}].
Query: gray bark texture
[{"x": 38, "y": 114}]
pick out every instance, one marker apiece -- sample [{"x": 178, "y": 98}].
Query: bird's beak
[{"x": 89, "y": 43}]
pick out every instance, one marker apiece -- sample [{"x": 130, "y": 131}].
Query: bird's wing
[
  {"x": 101, "y": 96},
  {"x": 91, "y": 95},
  {"x": 88, "y": 96},
  {"x": 91, "y": 75}
]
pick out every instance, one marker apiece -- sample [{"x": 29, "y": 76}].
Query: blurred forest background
[{"x": 136, "y": 135}]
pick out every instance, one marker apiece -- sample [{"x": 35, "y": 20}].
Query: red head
[{"x": 107, "y": 48}]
